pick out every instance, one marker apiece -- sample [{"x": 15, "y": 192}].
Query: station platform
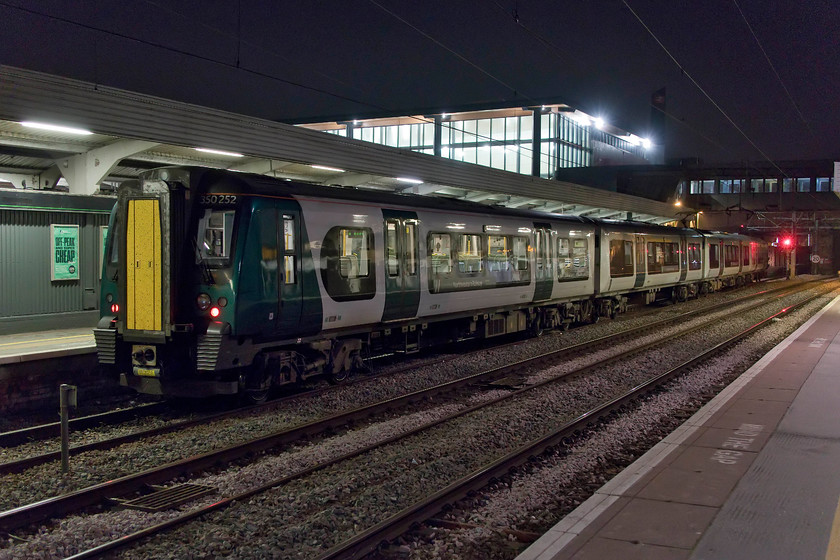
[
  {"x": 46, "y": 344},
  {"x": 754, "y": 474}
]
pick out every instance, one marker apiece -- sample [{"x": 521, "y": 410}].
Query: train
[{"x": 223, "y": 283}]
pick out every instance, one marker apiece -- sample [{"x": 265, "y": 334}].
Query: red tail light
[
  {"x": 214, "y": 312},
  {"x": 115, "y": 308}
]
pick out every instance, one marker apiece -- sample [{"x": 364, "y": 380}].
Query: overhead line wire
[
  {"x": 269, "y": 76},
  {"x": 772, "y": 67},
  {"x": 274, "y": 52},
  {"x": 703, "y": 91},
  {"x": 478, "y": 137}
]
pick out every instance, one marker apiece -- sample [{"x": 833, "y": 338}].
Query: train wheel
[
  {"x": 254, "y": 396},
  {"x": 255, "y": 383}
]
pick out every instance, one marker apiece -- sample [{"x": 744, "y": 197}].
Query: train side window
[
  {"x": 714, "y": 256},
  {"x": 621, "y": 258},
  {"x": 392, "y": 263},
  {"x": 112, "y": 241},
  {"x": 572, "y": 259},
  {"x": 215, "y": 233},
  {"x": 654, "y": 258},
  {"x": 498, "y": 255},
  {"x": 346, "y": 263},
  {"x": 730, "y": 253},
  {"x": 411, "y": 249},
  {"x": 672, "y": 257},
  {"x": 663, "y": 257},
  {"x": 745, "y": 255},
  {"x": 520, "y": 255},
  {"x": 289, "y": 243},
  {"x": 694, "y": 261},
  {"x": 470, "y": 253},
  {"x": 440, "y": 249}
]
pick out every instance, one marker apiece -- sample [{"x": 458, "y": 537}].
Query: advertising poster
[{"x": 64, "y": 252}]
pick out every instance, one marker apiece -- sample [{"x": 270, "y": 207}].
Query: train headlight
[
  {"x": 109, "y": 298},
  {"x": 222, "y": 301},
  {"x": 203, "y": 301}
]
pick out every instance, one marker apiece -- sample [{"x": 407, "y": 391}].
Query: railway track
[
  {"x": 50, "y": 430},
  {"x": 27, "y": 462},
  {"x": 63, "y": 504}
]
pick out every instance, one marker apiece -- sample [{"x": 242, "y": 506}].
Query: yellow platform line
[
  {"x": 833, "y": 552},
  {"x": 45, "y": 340}
]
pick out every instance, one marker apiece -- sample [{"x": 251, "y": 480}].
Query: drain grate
[{"x": 166, "y": 498}]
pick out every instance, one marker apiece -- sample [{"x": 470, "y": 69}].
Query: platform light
[
  {"x": 599, "y": 123},
  {"x": 409, "y": 180},
  {"x": 56, "y": 128},
  {"x": 646, "y": 143},
  {"x": 678, "y": 203},
  {"x": 325, "y": 168},
  {"x": 219, "y": 152}
]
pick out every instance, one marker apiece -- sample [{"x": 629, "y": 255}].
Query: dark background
[{"x": 767, "y": 73}]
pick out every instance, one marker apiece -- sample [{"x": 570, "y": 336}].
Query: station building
[{"x": 532, "y": 141}]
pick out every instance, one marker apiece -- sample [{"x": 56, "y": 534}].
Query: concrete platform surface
[
  {"x": 45, "y": 344},
  {"x": 754, "y": 474}
]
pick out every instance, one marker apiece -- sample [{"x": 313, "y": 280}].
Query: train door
[
  {"x": 143, "y": 309},
  {"x": 683, "y": 258},
  {"x": 402, "y": 278},
  {"x": 269, "y": 299},
  {"x": 544, "y": 263},
  {"x": 641, "y": 261},
  {"x": 291, "y": 292}
]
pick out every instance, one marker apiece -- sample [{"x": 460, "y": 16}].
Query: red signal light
[
  {"x": 214, "y": 312},
  {"x": 787, "y": 242}
]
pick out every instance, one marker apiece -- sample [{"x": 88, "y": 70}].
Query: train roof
[{"x": 265, "y": 185}]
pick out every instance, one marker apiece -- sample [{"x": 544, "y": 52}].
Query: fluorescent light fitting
[
  {"x": 219, "y": 152},
  {"x": 56, "y": 128},
  {"x": 409, "y": 180},
  {"x": 325, "y": 168}
]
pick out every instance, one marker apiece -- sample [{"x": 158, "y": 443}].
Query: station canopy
[{"x": 107, "y": 136}]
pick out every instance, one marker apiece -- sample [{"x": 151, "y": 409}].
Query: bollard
[{"x": 67, "y": 399}]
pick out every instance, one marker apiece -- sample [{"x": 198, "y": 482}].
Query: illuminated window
[
  {"x": 621, "y": 258},
  {"x": 346, "y": 265},
  {"x": 572, "y": 259}
]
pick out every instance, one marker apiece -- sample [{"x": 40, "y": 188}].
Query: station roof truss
[{"x": 130, "y": 132}]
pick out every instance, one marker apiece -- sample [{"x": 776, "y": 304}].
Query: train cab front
[{"x": 147, "y": 333}]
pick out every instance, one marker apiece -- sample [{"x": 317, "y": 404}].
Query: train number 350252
[{"x": 208, "y": 199}]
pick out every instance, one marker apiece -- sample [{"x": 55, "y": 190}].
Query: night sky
[{"x": 771, "y": 68}]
